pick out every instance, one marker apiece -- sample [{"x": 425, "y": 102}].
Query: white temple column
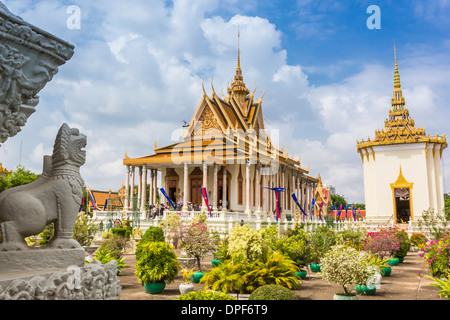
[
  {"x": 132, "y": 187},
  {"x": 258, "y": 189},
  {"x": 224, "y": 189},
  {"x": 155, "y": 185},
  {"x": 264, "y": 195},
  {"x": 126, "y": 202},
  {"x": 205, "y": 184},
  {"x": 215, "y": 198},
  {"x": 293, "y": 204},
  {"x": 151, "y": 200},
  {"x": 139, "y": 194},
  {"x": 144, "y": 188},
  {"x": 247, "y": 189},
  {"x": 185, "y": 187}
]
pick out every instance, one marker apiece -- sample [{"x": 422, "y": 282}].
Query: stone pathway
[{"x": 402, "y": 284}]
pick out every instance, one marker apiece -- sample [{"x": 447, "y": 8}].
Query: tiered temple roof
[{"x": 400, "y": 127}]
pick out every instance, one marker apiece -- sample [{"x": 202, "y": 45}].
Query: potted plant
[
  {"x": 405, "y": 245},
  {"x": 197, "y": 242},
  {"x": 186, "y": 287},
  {"x": 382, "y": 264},
  {"x": 157, "y": 264},
  {"x": 321, "y": 241},
  {"x": 297, "y": 249},
  {"x": 344, "y": 266}
]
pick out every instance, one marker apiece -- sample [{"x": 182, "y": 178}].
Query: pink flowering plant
[
  {"x": 437, "y": 257},
  {"x": 198, "y": 241},
  {"x": 383, "y": 243}
]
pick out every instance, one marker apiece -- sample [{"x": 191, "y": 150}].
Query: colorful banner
[
  {"x": 277, "y": 193},
  {"x": 106, "y": 205},
  {"x": 205, "y": 197},
  {"x": 296, "y": 201},
  {"x": 167, "y": 197},
  {"x": 320, "y": 211},
  {"x": 92, "y": 198}
]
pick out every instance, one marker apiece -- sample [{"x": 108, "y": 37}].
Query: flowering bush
[
  {"x": 246, "y": 245},
  {"x": 174, "y": 228},
  {"x": 418, "y": 240},
  {"x": 384, "y": 243},
  {"x": 197, "y": 241},
  {"x": 345, "y": 266},
  {"x": 437, "y": 257}
]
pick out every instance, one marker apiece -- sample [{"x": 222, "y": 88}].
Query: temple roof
[
  {"x": 225, "y": 130},
  {"x": 400, "y": 128}
]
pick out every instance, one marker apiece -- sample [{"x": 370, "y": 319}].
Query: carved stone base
[
  {"x": 40, "y": 258},
  {"x": 91, "y": 282}
]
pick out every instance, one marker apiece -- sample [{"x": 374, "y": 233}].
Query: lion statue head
[{"x": 68, "y": 148}]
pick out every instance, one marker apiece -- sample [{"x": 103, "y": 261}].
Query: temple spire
[
  {"x": 238, "y": 87},
  {"x": 398, "y": 101}
]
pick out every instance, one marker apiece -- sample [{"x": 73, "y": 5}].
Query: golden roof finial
[
  {"x": 398, "y": 101},
  {"x": 238, "y": 86},
  {"x": 239, "y": 53}
]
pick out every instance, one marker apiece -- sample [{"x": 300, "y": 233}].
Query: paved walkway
[{"x": 402, "y": 284}]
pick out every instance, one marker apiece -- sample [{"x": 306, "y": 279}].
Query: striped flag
[
  {"x": 167, "y": 197},
  {"x": 92, "y": 198},
  {"x": 205, "y": 197}
]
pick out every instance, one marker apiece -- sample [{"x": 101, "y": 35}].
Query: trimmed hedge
[{"x": 272, "y": 292}]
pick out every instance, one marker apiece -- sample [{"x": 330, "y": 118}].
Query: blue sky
[{"x": 139, "y": 65}]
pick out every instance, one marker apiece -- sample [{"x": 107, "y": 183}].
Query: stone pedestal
[{"x": 39, "y": 258}]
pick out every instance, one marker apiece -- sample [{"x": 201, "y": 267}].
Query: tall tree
[{"x": 17, "y": 178}]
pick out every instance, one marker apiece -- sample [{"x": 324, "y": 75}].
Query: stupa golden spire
[
  {"x": 238, "y": 87},
  {"x": 398, "y": 101}
]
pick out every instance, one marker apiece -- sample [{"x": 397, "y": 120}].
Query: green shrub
[
  {"x": 418, "y": 239},
  {"x": 157, "y": 262},
  {"x": 113, "y": 243},
  {"x": 353, "y": 237},
  {"x": 122, "y": 231},
  {"x": 405, "y": 244},
  {"x": 230, "y": 277},
  {"x": 205, "y": 295},
  {"x": 84, "y": 230},
  {"x": 321, "y": 241},
  {"x": 272, "y": 292},
  {"x": 152, "y": 234},
  {"x": 47, "y": 234},
  {"x": 104, "y": 256},
  {"x": 297, "y": 248}
]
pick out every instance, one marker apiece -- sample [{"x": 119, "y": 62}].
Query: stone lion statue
[{"x": 54, "y": 197}]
